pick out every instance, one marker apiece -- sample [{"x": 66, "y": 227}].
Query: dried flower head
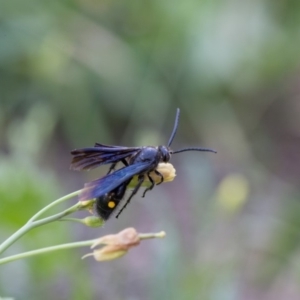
[{"x": 116, "y": 245}]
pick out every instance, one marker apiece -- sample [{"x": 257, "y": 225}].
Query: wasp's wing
[
  {"x": 107, "y": 146},
  {"x": 89, "y": 158},
  {"x": 106, "y": 184}
]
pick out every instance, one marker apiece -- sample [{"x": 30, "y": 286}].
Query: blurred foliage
[{"x": 76, "y": 72}]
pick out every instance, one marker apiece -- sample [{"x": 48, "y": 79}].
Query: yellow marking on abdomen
[{"x": 111, "y": 204}]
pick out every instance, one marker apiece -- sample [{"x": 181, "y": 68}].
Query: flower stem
[
  {"x": 46, "y": 250},
  {"x": 144, "y": 236},
  {"x": 52, "y": 204},
  {"x": 32, "y": 223},
  {"x": 14, "y": 237},
  {"x": 4, "y": 260},
  {"x": 72, "y": 220}
]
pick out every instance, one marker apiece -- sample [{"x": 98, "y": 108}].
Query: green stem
[
  {"x": 46, "y": 250},
  {"x": 14, "y": 237},
  {"x": 72, "y": 220},
  {"x": 5, "y": 260},
  {"x": 52, "y": 204},
  {"x": 145, "y": 236},
  {"x": 58, "y": 216},
  {"x": 32, "y": 224}
]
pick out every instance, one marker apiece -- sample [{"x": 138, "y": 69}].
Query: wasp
[{"x": 138, "y": 161}]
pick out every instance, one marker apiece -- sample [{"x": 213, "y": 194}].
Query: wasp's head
[{"x": 164, "y": 153}]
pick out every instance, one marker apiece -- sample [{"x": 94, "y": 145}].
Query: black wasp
[{"x": 140, "y": 161}]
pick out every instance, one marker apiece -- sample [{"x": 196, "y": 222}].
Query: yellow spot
[{"x": 111, "y": 204}]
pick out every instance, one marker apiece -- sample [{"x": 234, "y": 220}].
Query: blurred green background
[{"x": 79, "y": 71}]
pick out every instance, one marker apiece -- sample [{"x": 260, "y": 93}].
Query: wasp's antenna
[
  {"x": 193, "y": 149},
  {"x": 175, "y": 127}
]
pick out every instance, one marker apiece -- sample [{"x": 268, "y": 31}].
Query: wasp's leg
[
  {"x": 135, "y": 190},
  {"x": 111, "y": 168},
  {"x": 124, "y": 161},
  {"x": 150, "y": 187},
  {"x": 160, "y": 175},
  {"x": 113, "y": 165}
]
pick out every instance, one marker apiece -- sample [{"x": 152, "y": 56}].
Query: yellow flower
[{"x": 167, "y": 170}]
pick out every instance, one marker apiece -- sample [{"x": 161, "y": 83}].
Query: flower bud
[
  {"x": 93, "y": 221},
  {"x": 108, "y": 253},
  {"x": 116, "y": 245},
  {"x": 126, "y": 238}
]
